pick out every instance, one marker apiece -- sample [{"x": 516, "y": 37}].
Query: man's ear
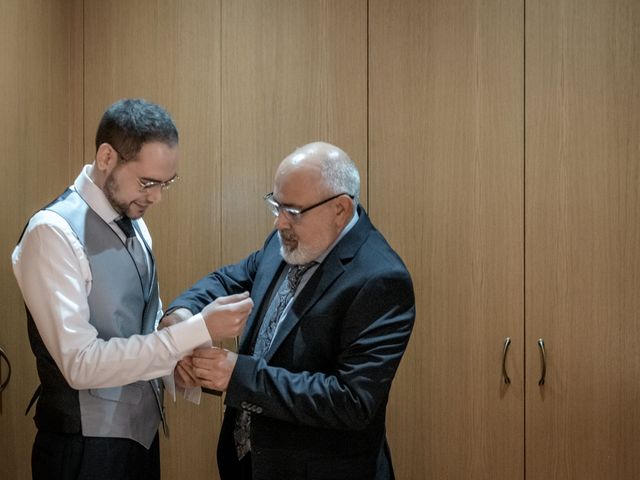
[
  {"x": 344, "y": 210},
  {"x": 106, "y": 158}
]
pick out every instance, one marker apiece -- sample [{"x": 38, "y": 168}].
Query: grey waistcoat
[{"x": 117, "y": 308}]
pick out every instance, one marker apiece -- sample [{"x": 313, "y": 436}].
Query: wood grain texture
[
  {"x": 35, "y": 126},
  {"x": 514, "y": 201},
  {"x": 583, "y": 238},
  {"x": 446, "y": 188},
  {"x": 293, "y": 72}
]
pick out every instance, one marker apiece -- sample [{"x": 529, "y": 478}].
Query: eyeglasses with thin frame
[
  {"x": 145, "y": 184},
  {"x": 295, "y": 214}
]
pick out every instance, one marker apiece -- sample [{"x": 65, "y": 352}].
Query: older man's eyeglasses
[{"x": 295, "y": 214}]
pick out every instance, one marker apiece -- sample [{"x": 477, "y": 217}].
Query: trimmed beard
[
  {"x": 110, "y": 190},
  {"x": 299, "y": 255}
]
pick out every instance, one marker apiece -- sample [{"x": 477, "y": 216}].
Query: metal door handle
[
  {"x": 4, "y": 384},
  {"x": 507, "y": 342},
  {"x": 544, "y": 361}
]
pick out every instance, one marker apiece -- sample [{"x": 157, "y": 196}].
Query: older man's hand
[{"x": 213, "y": 367}]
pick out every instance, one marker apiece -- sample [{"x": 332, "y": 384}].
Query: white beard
[{"x": 297, "y": 256}]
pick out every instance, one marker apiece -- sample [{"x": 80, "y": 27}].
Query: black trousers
[
  {"x": 245, "y": 467},
  {"x": 74, "y": 457},
  {"x": 230, "y": 468}
]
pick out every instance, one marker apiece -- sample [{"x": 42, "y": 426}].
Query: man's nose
[
  {"x": 154, "y": 194},
  {"x": 281, "y": 222}
]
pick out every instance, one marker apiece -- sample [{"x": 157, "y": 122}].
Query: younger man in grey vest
[{"x": 87, "y": 274}]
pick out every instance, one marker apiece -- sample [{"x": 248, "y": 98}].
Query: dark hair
[{"x": 130, "y": 123}]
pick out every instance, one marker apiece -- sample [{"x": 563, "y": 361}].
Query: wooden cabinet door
[
  {"x": 292, "y": 73},
  {"x": 583, "y": 239},
  {"x": 446, "y": 188},
  {"x": 36, "y": 108}
]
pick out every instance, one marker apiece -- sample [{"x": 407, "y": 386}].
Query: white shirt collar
[
  {"x": 94, "y": 196},
  {"x": 344, "y": 231}
]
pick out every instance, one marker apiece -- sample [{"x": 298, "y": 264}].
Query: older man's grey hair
[{"x": 341, "y": 174}]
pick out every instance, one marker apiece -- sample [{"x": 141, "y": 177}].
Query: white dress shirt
[{"x": 53, "y": 273}]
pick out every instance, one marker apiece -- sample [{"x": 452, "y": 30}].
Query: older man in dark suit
[{"x": 306, "y": 393}]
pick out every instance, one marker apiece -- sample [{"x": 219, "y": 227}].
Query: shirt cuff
[
  {"x": 193, "y": 394},
  {"x": 190, "y": 334},
  {"x": 170, "y": 386}
]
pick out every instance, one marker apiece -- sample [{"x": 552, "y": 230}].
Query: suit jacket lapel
[
  {"x": 326, "y": 274},
  {"x": 270, "y": 268},
  {"x": 321, "y": 279}
]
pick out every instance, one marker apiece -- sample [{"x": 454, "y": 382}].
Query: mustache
[{"x": 287, "y": 235}]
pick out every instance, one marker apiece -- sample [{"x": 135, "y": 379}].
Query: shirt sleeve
[{"x": 53, "y": 274}]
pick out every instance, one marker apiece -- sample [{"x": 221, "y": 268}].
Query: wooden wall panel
[
  {"x": 35, "y": 125},
  {"x": 293, "y": 72},
  {"x": 446, "y": 187},
  {"x": 583, "y": 238},
  {"x": 427, "y": 97},
  {"x": 169, "y": 52}
]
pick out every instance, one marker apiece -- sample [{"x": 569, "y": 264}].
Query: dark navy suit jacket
[{"x": 318, "y": 398}]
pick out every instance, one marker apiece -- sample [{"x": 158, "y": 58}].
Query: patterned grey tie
[
  {"x": 136, "y": 250},
  {"x": 269, "y": 323}
]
